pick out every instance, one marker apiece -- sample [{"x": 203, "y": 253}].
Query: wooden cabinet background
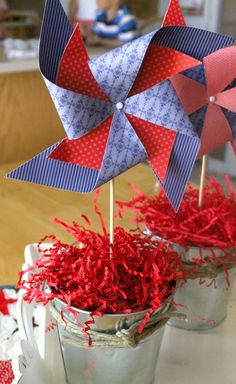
[
  {"x": 33, "y": 5},
  {"x": 144, "y": 9}
]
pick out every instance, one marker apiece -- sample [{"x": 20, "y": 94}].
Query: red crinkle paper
[
  {"x": 140, "y": 275},
  {"x": 214, "y": 225}
]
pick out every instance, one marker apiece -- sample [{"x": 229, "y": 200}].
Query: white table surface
[{"x": 205, "y": 357}]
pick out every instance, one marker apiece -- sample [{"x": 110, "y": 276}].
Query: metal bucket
[
  {"x": 105, "y": 365},
  {"x": 205, "y": 303}
]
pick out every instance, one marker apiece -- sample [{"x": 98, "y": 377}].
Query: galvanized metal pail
[
  {"x": 205, "y": 304},
  {"x": 204, "y": 301},
  {"x": 108, "y": 365}
]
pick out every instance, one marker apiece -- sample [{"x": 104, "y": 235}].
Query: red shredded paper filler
[
  {"x": 212, "y": 226},
  {"x": 140, "y": 275}
]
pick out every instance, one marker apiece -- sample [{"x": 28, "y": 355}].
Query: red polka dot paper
[
  {"x": 174, "y": 15},
  {"x": 158, "y": 142},
  {"x": 87, "y": 151},
  {"x": 74, "y": 73},
  {"x": 6, "y": 372},
  {"x": 159, "y": 64}
]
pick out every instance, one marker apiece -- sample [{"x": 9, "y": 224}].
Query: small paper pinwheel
[
  {"x": 119, "y": 109},
  {"x": 208, "y": 94}
]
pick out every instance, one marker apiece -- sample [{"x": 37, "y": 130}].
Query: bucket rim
[
  {"x": 183, "y": 247},
  {"x": 112, "y": 315}
]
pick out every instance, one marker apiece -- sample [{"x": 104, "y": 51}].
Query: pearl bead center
[
  {"x": 212, "y": 99},
  {"x": 120, "y": 106}
]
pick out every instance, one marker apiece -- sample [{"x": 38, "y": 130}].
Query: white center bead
[
  {"x": 212, "y": 99},
  {"x": 119, "y": 106}
]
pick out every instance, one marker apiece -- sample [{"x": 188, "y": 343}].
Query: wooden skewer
[
  {"x": 202, "y": 180},
  {"x": 157, "y": 188},
  {"x": 112, "y": 211}
]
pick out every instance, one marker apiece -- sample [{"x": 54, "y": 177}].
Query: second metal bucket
[
  {"x": 205, "y": 300},
  {"x": 109, "y": 365}
]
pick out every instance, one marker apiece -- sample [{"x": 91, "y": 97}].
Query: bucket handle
[{"x": 42, "y": 357}]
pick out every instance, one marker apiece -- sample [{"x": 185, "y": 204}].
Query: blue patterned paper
[
  {"x": 115, "y": 71},
  {"x": 161, "y": 106},
  {"x": 196, "y": 73},
  {"x": 197, "y": 118},
  {"x": 124, "y": 149},
  {"x": 79, "y": 113}
]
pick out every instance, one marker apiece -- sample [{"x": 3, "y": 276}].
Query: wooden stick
[
  {"x": 112, "y": 211},
  {"x": 157, "y": 188},
  {"x": 202, "y": 180}
]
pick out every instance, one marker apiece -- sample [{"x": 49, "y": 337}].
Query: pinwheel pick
[
  {"x": 208, "y": 94},
  {"x": 119, "y": 109}
]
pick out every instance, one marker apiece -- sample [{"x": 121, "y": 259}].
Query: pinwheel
[
  {"x": 119, "y": 109},
  {"x": 208, "y": 94}
]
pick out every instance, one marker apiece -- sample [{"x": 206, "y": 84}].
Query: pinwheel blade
[
  {"x": 87, "y": 151},
  {"x": 124, "y": 149},
  {"x": 55, "y": 34},
  {"x": 74, "y": 73},
  {"x": 180, "y": 167},
  {"x": 227, "y": 99},
  {"x": 155, "y": 139},
  {"x": 186, "y": 40},
  {"x": 216, "y": 131},
  {"x": 116, "y": 71},
  {"x": 58, "y": 174},
  {"x": 191, "y": 93},
  {"x": 220, "y": 69},
  {"x": 174, "y": 15}
]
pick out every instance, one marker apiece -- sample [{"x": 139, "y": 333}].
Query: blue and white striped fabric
[{"x": 123, "y": 27}]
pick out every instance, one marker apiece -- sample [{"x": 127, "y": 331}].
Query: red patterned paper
[
  {"x": 174, "y": 15},
  {"x": 159, "y": 64},
  {"x": 153, "y": 138},
  {"x": 87, "y": 151},
  {"x": 74, "y": 73}
]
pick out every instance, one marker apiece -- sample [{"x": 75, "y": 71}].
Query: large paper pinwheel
[
  {"x": 208, "y": 94},
  {"x": 119, "y": 109}
]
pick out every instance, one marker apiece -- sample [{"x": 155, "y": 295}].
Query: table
[{"x": 206, "y": 357}]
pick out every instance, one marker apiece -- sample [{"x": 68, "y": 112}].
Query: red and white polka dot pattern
[
  {"x": 158, "y": 142},
  {"x": 74, "y": 73},
  {"x": 159, "y": 64},
  {"x": 174, "y": 15},
  {"x": 87, "y": 151},
  {"x": 6, "y": 372}
]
